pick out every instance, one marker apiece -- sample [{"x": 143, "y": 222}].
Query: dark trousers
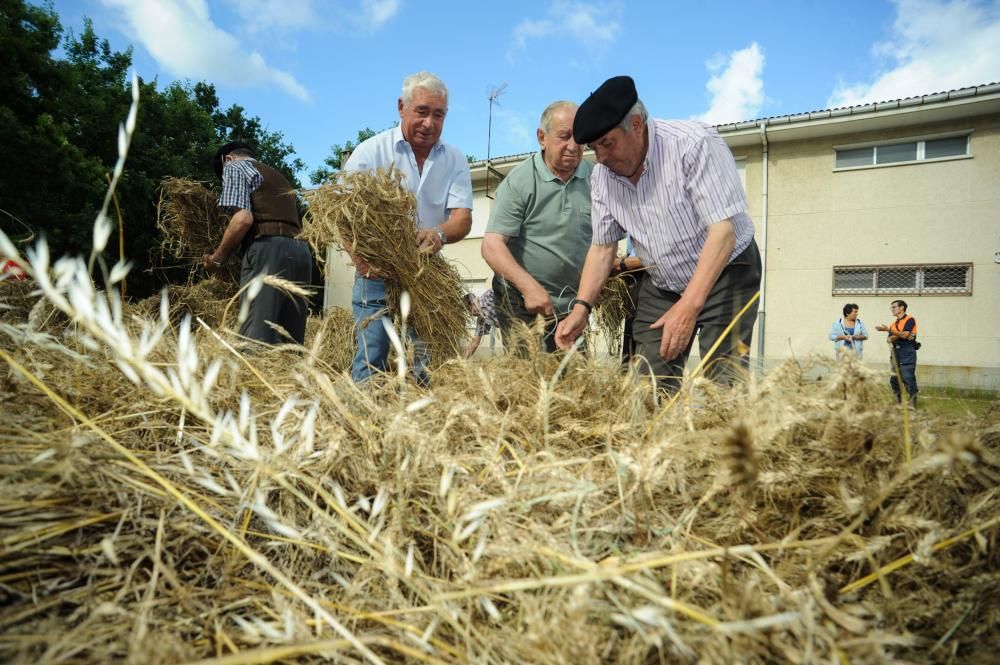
[
  {"x": 628, "y": 339},
  {"x": 908, "y": 373},
  {"x": 288, "y": 259},
  {"x": 734, "y": 288},
  {"x": 510, "y": 308}
]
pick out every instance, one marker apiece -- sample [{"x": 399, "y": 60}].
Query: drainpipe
[{"x": 761, "y": 311}]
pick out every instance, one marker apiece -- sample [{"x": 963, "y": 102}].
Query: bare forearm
[
  {"x": 239, "y": 225},
  {"x": 713, "y": 259},
  {"x": 598, "y": 265},
  {"x": 596, "y": 268},
  {"x": 497, "y": 255},
  {"x": 458, "y": 224}
]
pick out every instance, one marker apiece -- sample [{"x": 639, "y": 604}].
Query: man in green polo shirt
[{"x": 539, "y": 229}]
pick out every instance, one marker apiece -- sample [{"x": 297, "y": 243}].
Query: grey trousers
[
  {"x": 510, "y": 308},
  {"x": 288, "y": 259},
  {"x": 737, "y": 284}
]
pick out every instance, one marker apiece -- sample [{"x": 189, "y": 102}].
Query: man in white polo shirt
[
  {"x": 672, "y": 186},
  {"x": 438, "y": 174}
]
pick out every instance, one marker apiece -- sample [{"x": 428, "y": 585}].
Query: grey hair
[
  {"x": 425, "y": 80},
  {"x": 546, "y": 122},
  {"x": 638, "y": 109}
]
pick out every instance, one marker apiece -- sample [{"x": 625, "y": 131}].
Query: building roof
[
  {"x": 933, "y": 107},
  {"x": 860, "y": 109}
]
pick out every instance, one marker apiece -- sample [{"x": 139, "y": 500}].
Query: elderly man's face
[
  {"x": 422, "y": 120},
  {"x": 622, "y": 151},
  {"x": 561, "y": 152}
]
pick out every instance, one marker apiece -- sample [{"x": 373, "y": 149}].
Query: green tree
[
  {"x": 38, "y": 132},
  {"x": 59, "y": 120},
  {"x": 333, "y": 163}
]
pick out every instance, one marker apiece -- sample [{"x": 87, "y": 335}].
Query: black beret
[
  {"x": 225, "y": 150},
  {"x": 604, "y": 109}
]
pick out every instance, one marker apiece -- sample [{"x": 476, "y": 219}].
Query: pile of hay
[
  {"x": 229, "y": 509},
  {"x": 190, "y": 220},
  {"x": 332, "y": 339},
  {"x": 373, "y": 216},
  {"x": 209, "y": 299}
]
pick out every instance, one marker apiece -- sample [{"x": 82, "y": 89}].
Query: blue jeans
[{"x": 369, "y": 306}]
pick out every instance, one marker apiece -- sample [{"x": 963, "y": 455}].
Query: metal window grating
[{"x": 952, "y": 278}]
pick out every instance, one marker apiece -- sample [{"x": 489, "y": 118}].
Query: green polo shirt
[{"x": 548, "y": 223}]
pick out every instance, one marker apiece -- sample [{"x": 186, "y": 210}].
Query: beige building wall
[{"x": 934, "y": 212}]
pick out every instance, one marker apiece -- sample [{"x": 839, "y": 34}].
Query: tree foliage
[
  {"x": 58, "y": 124},
  {"x": 333, "y": 163}
]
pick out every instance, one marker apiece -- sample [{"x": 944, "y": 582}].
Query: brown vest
[{"x": 274, "y": 200}]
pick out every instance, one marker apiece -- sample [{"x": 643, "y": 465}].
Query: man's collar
[
  {"x": 547, "y": 173},
  {"x": 397, "y": 138},
  {"x": 543, "y": 168}
]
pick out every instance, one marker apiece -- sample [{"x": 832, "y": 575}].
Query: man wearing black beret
[
  {"x": 265, "y": 222},
  {"x": 672, "y": 186}
]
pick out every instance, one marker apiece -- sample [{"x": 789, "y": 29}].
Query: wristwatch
[
  {"x": 579, "y": 301},
  {"x": 442, "y": 236}
]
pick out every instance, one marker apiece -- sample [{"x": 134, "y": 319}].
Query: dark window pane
[
  {"x": 951, "y": 147},
  {"x": 946, "y": 278},
  {"x": 901, "y": 152},
  {"x": 853, "y": 279},
  {"x": 855, "y": 157},
  {"x": 897, "y": 279}
]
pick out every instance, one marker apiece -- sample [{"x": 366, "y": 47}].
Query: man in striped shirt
[{"x": 672, "y": 186}]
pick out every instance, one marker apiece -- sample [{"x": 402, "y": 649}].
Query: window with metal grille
[
  {"x": 902, "y": 152},
  {"x": 942, "y": 278}
]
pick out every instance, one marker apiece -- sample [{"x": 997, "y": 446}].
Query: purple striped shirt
[{"x": 690, "y": 181}]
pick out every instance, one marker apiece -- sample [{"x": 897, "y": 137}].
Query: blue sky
[{"x": 319, "y": 70}]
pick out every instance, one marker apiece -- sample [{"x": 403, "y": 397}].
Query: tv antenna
[{"x": 494, "y": 100}]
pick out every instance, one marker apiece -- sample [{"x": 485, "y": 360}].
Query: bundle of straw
[
  {"x": 190, "y": 218},
  {"x": 372, "y": 215},
  {"x": 613, "y": 304}
]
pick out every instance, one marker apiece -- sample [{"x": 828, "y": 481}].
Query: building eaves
[
  {"x": 863, "y": 109},
  {"x": 868, "y": 109}
]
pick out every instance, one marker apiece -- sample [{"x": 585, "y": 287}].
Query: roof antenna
[{"x": 494, "y": 99}]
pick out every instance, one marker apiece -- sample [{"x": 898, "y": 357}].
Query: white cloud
[
  {"x": 592, "y": 26},
  {"x": 376, "y": 13},
  {"x": 517, "y": 129},
  {"x": 933, "y": 46},
  {"x": 737, "y": 86},
  {"x": 263, "y": 15},
  {"x": 182, "y": 38}
]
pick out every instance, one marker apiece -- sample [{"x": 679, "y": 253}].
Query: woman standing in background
[{"x": 848, "y": 333}]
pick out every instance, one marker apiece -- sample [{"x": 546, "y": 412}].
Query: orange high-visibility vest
[{"x": 899, "y": 325}]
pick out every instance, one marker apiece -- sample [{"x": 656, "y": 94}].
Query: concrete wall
[{"x": 935, "y": 212}]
